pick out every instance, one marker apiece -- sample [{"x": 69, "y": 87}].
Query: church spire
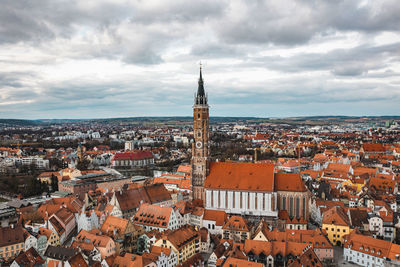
[{"x": 201, "y": 98}]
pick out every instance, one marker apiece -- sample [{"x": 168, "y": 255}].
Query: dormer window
[{"x": 361, "y": 248}]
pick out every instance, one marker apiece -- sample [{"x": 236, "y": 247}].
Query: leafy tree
[{"x": 54, "y": 183}]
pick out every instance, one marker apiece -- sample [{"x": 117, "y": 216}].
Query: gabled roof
[
  {"x": 372, "y": 246},
  {"x": 339, "y": 167},
  {"x": 111, "y": 223},
  {"x": 92, "y": 238},
  {"x": 133, "y": 155},
  {"x": 153, "y": 215},
  {"x": 11, "y": 235},
  {"x": 373, "y": 147},
  {"x": 240, "y": 176},
  {"x": 336, "y": 216},
  {"x": 233, "y": 262},
  {"x": 289, "y": 182},
  {"x": 180, "y": 237},
  {"x": 237, "y": 223},
  {"x": 308, "y": 258},
  {"x": 219, "y": 216},
  {"x": 257, "y": 247},
  {"x": 132, "y": 198},
  {"x": 358, "y": 217},
  {"x": 78, "y": 261},
  {"x": 60, "y": 253},
  {"x": 29, "y": 258}
]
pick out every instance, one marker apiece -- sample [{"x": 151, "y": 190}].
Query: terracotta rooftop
[
  {"x": 236, "y": 223},
  {"x": 219, "y": 216},
  {"x": 233, "y": 262},
  {"x": 336, "y": 216},
  {"x": 289, "y": 182},
  {"x": 241, "y": 176},
  {"x": 153, "y": 215},
  {"x": 181, "y": 237},
  {"x": 11, "y": 235}
]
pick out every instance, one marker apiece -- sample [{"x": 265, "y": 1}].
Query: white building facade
[{"x": 242, "y": 202}]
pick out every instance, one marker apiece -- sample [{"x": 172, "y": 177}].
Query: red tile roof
[
  {"x": 219, "y": 216},
  {"x": 289, "y": 182},
  {"x": 373, "y": 148},
  {"x": 233, "y": 262},
  {"x": 237, "y": 223},
  {"x": 133, "y": 155},
  {"x": 153, "y": 215},
  {"x": 241, "y": 176}
]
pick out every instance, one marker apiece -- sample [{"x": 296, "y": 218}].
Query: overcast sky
[{"x": 119, "y": 58}]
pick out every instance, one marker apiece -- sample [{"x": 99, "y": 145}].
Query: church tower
[{"x": 200, "y": 147}]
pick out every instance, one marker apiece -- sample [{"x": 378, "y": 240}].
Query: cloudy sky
[{"x": 119, "y": 58}]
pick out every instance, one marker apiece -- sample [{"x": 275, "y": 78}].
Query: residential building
[
  {"x": 12, "y": 241},
  {"x": 156, "y": 217},
  {"x": 336, "y": 223},
  {"x": 185, "y": 242},
  {"x": 368, "y": 251},
  {"x": 237, "y": 229}
]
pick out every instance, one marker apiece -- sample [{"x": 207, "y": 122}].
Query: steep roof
[
  {"x": 339, "y": 167},
  {"x": 308, "y": 258},
  {"x": 373, "y": 147},
  {"x": 358, "y": 217},
  {"x": 29, "y": 258},
  {"x": 132, "y": 198},
  {"x": 289, "y": 182},
  {"x": 60, "y": 253},
  {"x": 372, "y": 246},
  {"x": 111, "y": 223},
  {"x": 11, "y": 235},
  {"x": 233, "y": 262},
  {"x": 153, "y": 215},
  {"x": 240, "y": 176},
  {"x": 257, "y": 247},
  {"x": 77, "y": 261},
  {"x": 336, "y": 216},
  {"x": 237, "y": 223},
  {"x": 89, "y": 237},
  {"x": 219, "y": 216},
  {"x": 133, "y": 155},
  {"x": 181, "y": 236}
]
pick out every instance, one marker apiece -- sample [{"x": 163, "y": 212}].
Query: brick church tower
[{"x": 200, "y": 147}]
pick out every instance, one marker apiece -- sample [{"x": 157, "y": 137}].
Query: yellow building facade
[{"x": 185, "y": 242}]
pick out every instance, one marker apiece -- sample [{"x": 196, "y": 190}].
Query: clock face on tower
[{"x": 199, "y": 144}]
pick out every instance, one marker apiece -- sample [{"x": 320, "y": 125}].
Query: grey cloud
[
  {"x": 342, "y": 62},
  {"x": 296, "y": 22},
  {"x": 216, "y": 50}
]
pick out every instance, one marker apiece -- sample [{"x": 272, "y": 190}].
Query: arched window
[
  {"x": 283, "y": 203},
  {"x": 297, "y": 207},
  {"x": 290, "y": 206}
]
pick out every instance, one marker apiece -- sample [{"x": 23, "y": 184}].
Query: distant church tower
[{"x": 200, "y": 147}]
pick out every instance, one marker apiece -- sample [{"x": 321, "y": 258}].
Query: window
[
  {"x": 290, "y": 206},
  {"x": 283, "y": 203},
  {"x": 297, "y": 207}
]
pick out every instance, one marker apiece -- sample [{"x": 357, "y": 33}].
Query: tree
[
  {"x": 54, "y": 183},
  {"x": 83, "y": 164}
]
